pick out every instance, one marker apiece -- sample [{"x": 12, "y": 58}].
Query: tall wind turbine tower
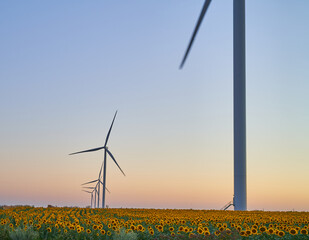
[{"x": 239, "y": 92}]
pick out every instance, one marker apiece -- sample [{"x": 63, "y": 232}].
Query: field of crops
[{"x": 85, "y": 223}]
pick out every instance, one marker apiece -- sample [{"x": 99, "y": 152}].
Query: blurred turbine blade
[
  {"x": 90, "y": 182},
  {"x": 202, "y": 14},
  {"x": 90, "y": 150},
  {"x": 86, "y": 191},
  {"x": 110, "y": 154},
  {"x": 105, "y": 187},
  {"x": 110, "y": 129},
  {"x": 101, "y": 170},
  {"x": 89, "y": 187}
]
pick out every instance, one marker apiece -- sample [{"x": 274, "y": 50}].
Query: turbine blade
[
  {"x": 110, "y": 154},
  {"x": 89, "y": 187},
  {"x": 101, "y": 169},
  {"x": 110, "y": 129},
  {"x": 105, "y": 187},
  {"x": 90, "y": 150},
  {"x": 90, "y": 182},
  {"x": 86, "y": 191},
  {"x": 200, "y": 19}
]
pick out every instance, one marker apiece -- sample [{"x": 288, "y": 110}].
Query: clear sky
[{"x": 67, "y": 66}]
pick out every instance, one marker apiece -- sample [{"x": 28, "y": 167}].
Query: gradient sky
[{"x": 67, "y": 66}]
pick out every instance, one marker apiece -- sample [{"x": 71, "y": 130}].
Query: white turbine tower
[
  {"x": 106, "y": 151},
  {"x": 239, "y": 47}
]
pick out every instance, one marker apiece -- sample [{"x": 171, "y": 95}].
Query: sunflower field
[{"x": 85, "y": 223}]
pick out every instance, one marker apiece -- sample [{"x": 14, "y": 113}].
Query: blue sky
[{"x": 66, "y": 67}]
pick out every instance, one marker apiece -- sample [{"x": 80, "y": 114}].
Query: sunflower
[
  {"x": 180, "y": 228},
  {"x": 270, "y": 230},
  {"x": 200, "y": 230},
  {"x": 255, "y": 226},
  {"x": 304, "y": 231},
  {"x": 172, "y": 234},
  {"x": 88, "y": 231},
  {"x": 139, "y": 227},
  {"x": 281, "y": 234},
  {"x": 49, "y": 229},
  {"x": 103, "y": 231},
  {"x": 133, "y": 227},
  {"x": 109, "y": 233},
  {"x": 191, "y": 235},
  {"x": 217, "y": 232},
  {"x": 242, "y": 233},
  {"x": 263, "y": 229},
  {"x": 293, "y": 231},
  {"x": 254, "y": 231},
  {"x": 206, "y": 233}
]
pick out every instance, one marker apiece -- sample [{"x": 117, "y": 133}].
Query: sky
[{"x": 67, "y": 66}]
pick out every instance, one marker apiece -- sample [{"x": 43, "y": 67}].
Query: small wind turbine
[
  {"x": 95, "y": 191},
  {"x": 240, "y": 176},
  {"x": 97, "y": 185},
  {"x": 91, "y": 196},
  {"x": 98, "y": 181},
  {"x": 110, "y": 154}
]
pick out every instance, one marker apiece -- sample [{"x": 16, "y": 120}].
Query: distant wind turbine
[
  {"x": 91, "y": 196},
  {"x": 95, "y": 191},
  {"x": 106, "y": 151},
  {"x": 98, "y": 181},
  {"x": 239, "y": 44}
]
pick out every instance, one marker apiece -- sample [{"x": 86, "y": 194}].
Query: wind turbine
[
  {"x": 97, "y": 185},
  {"x": 98, "y": 181},
  {"x": 94, "y": 190},
  {"x": 91, "y": 196},
  {"x": 96, "y": 196},
  {"x": 106, "y": 151},
  {"x": 239, "y": 59}
]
